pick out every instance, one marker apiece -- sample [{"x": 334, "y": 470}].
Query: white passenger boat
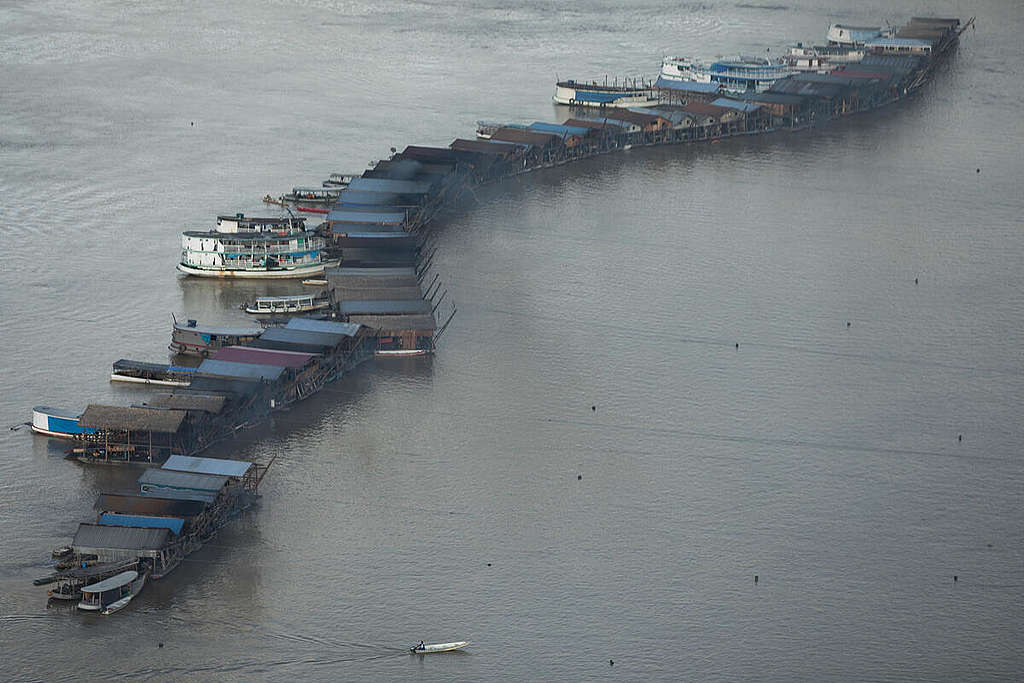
[
  {"x": 296, "y": 303},
  {"x": 107, "y": 597},
  {"x": 266, "y": 248},
  {"x": 423, "y": 649},
  {"x": 59, "y": 423}
]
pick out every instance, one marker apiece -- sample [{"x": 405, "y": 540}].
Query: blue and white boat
[
  {"x": 59, "y": 423},
  {"x": 631, "y": 93}
]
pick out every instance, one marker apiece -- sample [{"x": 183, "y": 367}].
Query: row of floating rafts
[{"x": 206, "y": 490}]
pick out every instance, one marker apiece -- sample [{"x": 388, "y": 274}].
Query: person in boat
[{"x": 421, "y": 646}]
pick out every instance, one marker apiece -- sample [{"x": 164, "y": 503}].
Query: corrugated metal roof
[
  {"x": 226, "y": 385},
  {"x": 369, "y": 227},
  {"x": 358, "y": 197},
  {"x": 178, "y": 494},
  {"x": 371, "y": 272},
  {"x": 897, "y": 42},
  {"x": 395, "y": 323},
  {"x": 185, "y": 481},
  {"x": 598, "y": 97},
  {"x": 384, "y": 307},
  {"x": 135, "y": 504},
  {"x": 389, "y": 185},
  {"x": 687, "y": 86},
  {"x": 135, "y": 418},
  {"x": 369, "y": 293},
  {"x": 216, "y": 466},
  {"x": 249, "y": 354},
  {"x": 300, "y": 336},
  {"x": 484, "y": 147},
  {"x": 173, "y": 524},
  {"x": 331, "y": 327},
  {"x": 351, "y": 216},
  {"x": 376, "y": 235},
  {"x": 524, "y": 137},
  {"x": 224, "y": 368},
  {"x": 92, "y": 537},
  {"x": 745, "y": 107},
  {"x": 187, "y": 400}
]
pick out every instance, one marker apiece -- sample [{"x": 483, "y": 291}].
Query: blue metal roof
[
  {"x": 350, "y": 216},
  {"x": 389, "y": 185},
  {"x": 686, "y": 86},
  {"x": 560, "y": 129},
  {"x": 227, "y": 368},
  {"x": 226, "y": 468},
  {"x": 347, "y": 329},
  {"x": 745, "y": 107},
  {"x": 119, "y": 519}
]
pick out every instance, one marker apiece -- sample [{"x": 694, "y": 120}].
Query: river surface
[{"x": 590, "y": 468}]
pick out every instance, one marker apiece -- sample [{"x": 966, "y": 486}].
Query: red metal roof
[{"x": 281, "y": 359}]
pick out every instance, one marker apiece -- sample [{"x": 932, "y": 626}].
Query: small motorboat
[
  {"x": 297, "y": 303},
  {"x": 423, "y": 649},
  {"x": 315, "y": 282},
  {"x": 61, "y": 551},
  {"x": 107, "y": 597}
]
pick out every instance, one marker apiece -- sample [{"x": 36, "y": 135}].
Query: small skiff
[
  {"x": 315, "y": 282},
  {"x": 438, "y": 647}
]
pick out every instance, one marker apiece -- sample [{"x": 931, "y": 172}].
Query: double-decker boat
[
  {"x": 254, "y": 248},
  {"x": 741, "y": 74}
]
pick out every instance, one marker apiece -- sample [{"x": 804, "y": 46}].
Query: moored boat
[
  {"x": 339, "y": 179},
  {"x": 296, "y": 303},
  {"x": 113, "y": 594},
  {"x": 632, "y": 93},
  {"x": 314, "y": 195},
  {"x": 263, "y": 255},
  {"x": 424, "y": 649},
  {"x": 140, "y": 372},
  {"x": 62, "y": 424},
  {"x": 192, "y": 339},
  {"x": 740, "y": 74}
]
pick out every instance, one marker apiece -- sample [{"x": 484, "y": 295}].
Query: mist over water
[{"x": 440, "y": 498}]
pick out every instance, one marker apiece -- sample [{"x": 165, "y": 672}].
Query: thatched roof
[
  {"x": 132, "y": 418},
  {"x": 184, "y": 400}
]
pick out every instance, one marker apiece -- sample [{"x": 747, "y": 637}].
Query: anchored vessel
[
  {"x": 630, "y": 94},
  {"x": 57, "y": 422},
  {"x": 140, "y": 372},
  {"x": 243, "y": 247},
  {"x": 296, "y": 303},
  {"x": 192, "y": 339},
  {"x": 110, "y": 595},
  {"x": 742, "y": 74}
]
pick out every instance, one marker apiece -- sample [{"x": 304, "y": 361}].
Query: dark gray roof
[
  {"x": 182, "y": 480},
  {"x": 367, "y": 293},
  {"x": 384, "y": 307},
  {"x": 324, "y": 340},
  {"x": 371, "y": 272},
  {"x": 187, "y": 400},
  {"x": 395, "y": 323},
  {"x": 95, "y": 538},
  {"x": 133, "y": 503},
  {"x": 226, "y": 368},
  {"x": 134, "y": 418}
]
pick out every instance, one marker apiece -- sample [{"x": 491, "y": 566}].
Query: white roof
[{"x": 215, "y": 466}]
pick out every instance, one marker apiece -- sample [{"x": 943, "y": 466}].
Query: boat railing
[{"x": 282, "y": 249}]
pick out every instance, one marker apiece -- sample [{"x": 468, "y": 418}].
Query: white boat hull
[
  {"x": 142, "y": 380},
  {"x": 439, "y": 647},
  {"x": 276, "y": 274}
]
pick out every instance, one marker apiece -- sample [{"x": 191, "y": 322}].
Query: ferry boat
[
  {"x": 742, "y": 74},
  {"x": 140, "y": 372},
  {"x": 192, "y": 339},
  {"x": 248, "y": 249},
  {"x": 62, "y": 424},
  {"x": 110, "y": 595},
  {"x": 297, "y": 303},
  {"x": 632, "y": 93}
]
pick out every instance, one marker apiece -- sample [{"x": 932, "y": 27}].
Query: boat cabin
[
  {"x": 98, "y": 597},
  {"x": 192, "y": 339}
]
